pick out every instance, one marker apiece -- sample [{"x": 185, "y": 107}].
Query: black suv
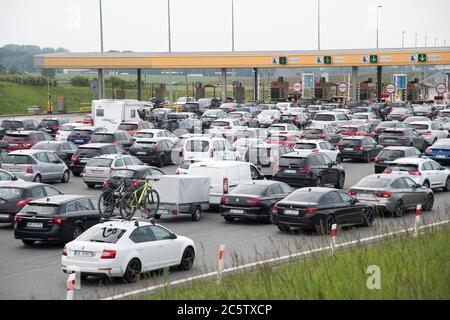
[
  {"x": 389, "y": 154},
  {"x": 51, "y": 125},
  {"x": 359, "y": 148},
  {"x": 154, "y": 152},
  {"x": 88, "y": 151},
  {"x": 8, "y": 126},
  {"x": 314, "y": 170},
  {"x": 122, "y": 138}
]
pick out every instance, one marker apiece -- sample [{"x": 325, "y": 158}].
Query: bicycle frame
[{"x": 133, "y": 197}]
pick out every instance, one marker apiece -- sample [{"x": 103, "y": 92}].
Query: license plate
[
  {"x": 35, "y": 224},
  {"x": 440, "y": 157},
  {"x": 98, "y": 171},
  {"x": 164, "y": 211},
  {"x": 88, "y": 254},
  {"x": 79, "y": 141},
  {"x": 5, "y": 216},
  {"x": 291, "y": 212},
  {"x": 348, "y": 149},
  {"x": 289, "y": 171},
  {"x": 143, "y": 153},
  {"x": 234, "y": 211},
  {"x": 365, "y": 196},
  {"x": 83, "y": 160},
  {"x": 13, "y": 144}
]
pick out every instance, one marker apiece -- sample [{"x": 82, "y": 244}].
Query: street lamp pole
[
  {"x": 403, "y": 39},
  {"x": 378, "y": 10},
  {"x": 426, "y": 38},
  {"x": 318, "y": 24},
  {"x": 170, "y": 50},
  {"x": 101, "y": 88},
  {"x": 232, "y": 25}
]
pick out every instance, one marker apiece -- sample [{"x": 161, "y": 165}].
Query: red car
[
  {"x": 88, "y": 119},
  {"x": 289, "y": 140},
  {"x": 355, "y": 130},
  {"x": 25, "y": 139}
]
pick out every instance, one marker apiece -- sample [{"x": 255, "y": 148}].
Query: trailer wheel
[{"x": 197, "y": 213}]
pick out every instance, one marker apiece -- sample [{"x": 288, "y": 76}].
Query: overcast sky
[{"x": 205, "y": 25}]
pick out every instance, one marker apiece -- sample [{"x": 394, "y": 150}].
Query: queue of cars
[{"x": 306, "y": 146}]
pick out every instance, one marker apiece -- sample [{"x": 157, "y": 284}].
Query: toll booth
[
  {"x": 417, "y": 90},
  {"x": 368, "y": 90},
  {"x": 199, "y": 91},
  {"x": 279, "y": 90},
  {"x": 238, "y": 92},
  {"x": 325, "y": 90}
]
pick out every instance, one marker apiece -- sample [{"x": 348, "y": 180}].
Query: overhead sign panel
[
  {"x": 308, "y": 80},
  {"x": 400, "y": 81}
]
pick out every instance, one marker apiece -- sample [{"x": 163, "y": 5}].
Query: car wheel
[
  {"x": 329, "y": 221},
  {"x": 340, "y": 181},
  {"x": 283, "y": 228},
  {"x": 66, "y": 177},
  {"x": 399, "y": 209},
  {"x": 37, "y": 178},
  {"x": 157, "y": 216},
  {"x": 368, "y": 157},
  {"x": 447, "y": 184},
  {"x": 28, "y": 242},
  {"x": 132, "y": 271},
  {"x": 77, "y": 231},
  {"x": 197, "y": 214},
  {"x": 228, "y": 218},
  {"x": 369, "y": 217},
  {"x": 187, "y": 259},
  {"x": 426, "y": 184},
  {"x": 161, "y": 162},
  {"x": 319, "y": 182},
  {"x": 429, "y": 202},
  {"x": 76, "y": 173},
  {"x": 91, "y": 186}
]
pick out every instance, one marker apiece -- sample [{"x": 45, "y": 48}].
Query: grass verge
[{"x": 411, "y": 268}]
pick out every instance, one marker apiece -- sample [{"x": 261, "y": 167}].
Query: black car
[
  {"x": 16, "y": 195},
  {"x": 122, "y": 138},
  {"x": 134, "y": 172},
  {"x": 193, "y": 107},
  {"x": 88, "y": 151},
  {"x": 153, "y": 152},
  {"x": 253, "y": 200},
  {"x": 64, "y": 150},
  {"x": 386, "y": 125},
  {"x": 52, "y": 125},
  {"x": 319, "y": 208},
  {"x": 400, "y": 114},
  {"x": 403, "y": 137},
  {"x": 326, "y": 133},
  {"x": 9, "y": 126},
  {"x": 299, "y": 170},
  {"x": 359, "y": 148},
  {"x": 389, "y": 154},
  {"x": 210, "y": 115},
  {"x": 60, "y": 218},
  {"x": 265, "y": 154}
]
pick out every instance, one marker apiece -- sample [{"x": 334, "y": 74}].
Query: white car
[
  {"x": 243, "y": 144},
  {"x": 208, "y": 147},
  {"x": 429, "y": 130},
  {"x": 156, "y": 135},
  {"x": 183, "y": 100},
  {"x": 226, "y": 127},
  {"x": 284, "y": 106},
  {"x": 424, "y": 171},
  {"x": 366, "y": 118},
  {"x": 330, "y": 119},
  {"x": 268, "y": 117},
  {"x": 126, "y": 249},
  {"x": 7, "y": 177},
  {"x": 284, "y": 128},
  {"x": 243, "y": 117},
  {"x": 322, "y": 146},
  {"x": 66, "y": 129}
]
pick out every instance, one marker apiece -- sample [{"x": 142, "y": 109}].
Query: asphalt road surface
[{"x": 35, "y": 273}]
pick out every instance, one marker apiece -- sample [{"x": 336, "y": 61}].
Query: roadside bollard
[
  {"x": 220, "y": 263},
  {"x": 333, "y": 238},
  {"x": 71, "y": 283},
  {"x": 418, "y": 221}
]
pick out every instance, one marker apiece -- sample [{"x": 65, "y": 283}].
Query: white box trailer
[
  {"x": 110, "y": 113},
  {"x": 181, "y": 194}
]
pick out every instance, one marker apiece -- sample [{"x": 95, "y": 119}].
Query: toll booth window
[{"x": 100, "y": 113}]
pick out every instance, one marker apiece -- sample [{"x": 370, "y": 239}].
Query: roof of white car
[
  {"x": 401, "y": 148},
  {"x": 151, "y": 130},
  {"x": 110, "y": 156},
  {"x": 219, "y": 164},
  {"x": 311, "y": 141},
  {"x": 123, "y": 224},
  {"x": 408, "y": 160},
  {"x": 421, "y": 122},
  {"x": 75, "y": 124}
]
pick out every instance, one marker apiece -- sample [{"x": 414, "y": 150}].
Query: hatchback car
[
  {"x": 327, "y": 134},
  {"x": 439, "y": 151},
  {"x": 66, "y": 129},
  {"x": 156, "y": 134},
  {"x": 393, "y": 194},
  {"x": 400, "y": 114},
  {"x": 59, "y": 219},
  {"x": 150, "y": 151},
  {"x": 253, "y": 200},
  {"x": 319, "y": 208},
  {"x": 266, "y": 154},
  {"x": 122, "y": 138},
  {"x": 37, "y": 166},
  {"x": 366, "y": 118},
  {"x": 386, "y": 125},
  {"x": 402, "y": 137},
  {"x": 52, "y": 125},
  {"x": 124, "y": 249},
  {"x": 211, "y": 115},
  {"x": 9, "y": 126},
  {"x": 83, "y": 135},
  {"x": 25, "y": 139},
  {"x": 86, "y": 152},
  {"x": 299, "y": 170},
  {"x": 16, "y": 195},
  {"x": 64, "y": 150},
  {"x": 322, "y": 146},
  {"x": 359, "y": 148},
  {"x": 389, "y": 154}
]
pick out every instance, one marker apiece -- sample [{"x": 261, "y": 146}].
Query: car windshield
[
  {"x": 305, "y": 146},
  {"x": 251, "y": 189},
  {"x": 292, "y": 162},
  {"x": 8, "y": 124},
  {"x": 49, "y": 123},
  {"x": 88, "y": 152},
  {"x": 127, "y": 126},
  {"x": 82, "y": 132},
  {"x": 17, "y": 159},
  {"x": 374, "y": 182},
  {"x": 418, "y": 126},
  {"x": 100, "y": 162},
  {"x": 10, "y": 193},
  {"x": 324, "y": 117},
  {"x": 123, "y": 173},
  {"x": 17, "y": 137},
  {"x": 197, "y": 146},
  {"x": 391, "y": 154},
  {"x": 146, "y": 135},
  {"x": 304, "y": 196},
  {"x": 102, "y": 234},
  {"x": 102, "y": 138},
  {"x": 41, "y": 209}
]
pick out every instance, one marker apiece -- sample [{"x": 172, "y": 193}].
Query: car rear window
[
  {"x": 8, "y": 124},
  {"x": 49, "y": 123},
  {"x": 18, "y": 159},
  {"x": 145, "y": 135},
  {"x": 221, "y": 123},
  {"x": 103, "y": 234},
  {"x": 373, "y": 182},
  {"x": 10, "y": 193},
  {"x": 128, "y": 126},
  {"x": 313, "y": 131},
  {"x": 17, "y": 137},
  {"x": 404, "y": 167},
  {"x": 292, "y": 162},
  {"x": 393, "y": 133},
  {"x": 304, "y": 196},
  {"x": 82, "y": 132},
  {"x": 324, "y": 117},
  {"x": 387, "y": 125},
  {"x": 197, "y": 146},
  {"x": 305, "y": 146},
  {"x": 123, "y": 173},
  {"x": 251, "y": 189},
  {"x": 352, "y": 143},
  {"x": 88, "y": 152},
  {"x": 40, "y": 209},
  {"x": 419, "y": 126},
  {"x": 391, "y": 154},
  {"x": 100, "y": 162},
  {"x": 102, "y": 138}
]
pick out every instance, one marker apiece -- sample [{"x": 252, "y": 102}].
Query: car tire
[
  {"x": 429, "y": 202},
  {"x": 76, "y": 232},
  {"x": 197, "y": 213},
  {"x": 132, "y": 271},
  {"x": 325, "y": 228},
  {"x": 447, "y": 185},
  {"x": 368, "y": 158},
  {"x": 161, "y": 162},
  {"x": 369, "y": 217},
  {"x": 28, "y": 242},
  {"x": 157, "y": 216},
  {"x": 37, "y": 178},
  {"x": 426, "y": 184},
  {"x": 399, "y": 209},
  {"x": 340, "y": 181},
  {"x": 319, "y": 182},
  {"x": 228, "y": 218},
  {"x": 76, "y": 173},
  {"x": 283, "y": 228},
  {"x": 66, "y": 177},
  {"x": 90, "y": 185},
  {"x": 187, "y": 260}
]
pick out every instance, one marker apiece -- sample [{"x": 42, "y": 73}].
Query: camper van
[{"x": 110, "y": 113}]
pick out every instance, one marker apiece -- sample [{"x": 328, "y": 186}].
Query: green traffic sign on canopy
[
  {"x": 422, "y": 57},
  {"x": 373, "y": 58},
  {"x": 327, "y": 59}
]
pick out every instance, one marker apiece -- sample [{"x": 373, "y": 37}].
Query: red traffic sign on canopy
[
  {"x": 343, "y": 87},
  {"x": 391, "y": 88},
  {"x": 297, "y": 87}
]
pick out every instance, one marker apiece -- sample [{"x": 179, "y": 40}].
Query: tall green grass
[{"x": 411, "y": 268}]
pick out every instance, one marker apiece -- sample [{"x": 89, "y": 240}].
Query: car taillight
[
  {"x": 108, "y": 254},
  {"x": 224, "y": 200},
  {"x": 74, "y": 158},
  {"x": 414, "y": 173},
  {"x": 26, "y": 144},
  {"x": 57, "y": 220},
  {"x": 429, "y": 150},
  {"x": 384, "y": 195},
  {"x": 387, "y": 170},
  {"x": 277, "y": 209},
  {"x": 302, "y": 135},
  {"x": 359, "y": 148},
  {"x": 106, "y": 184},
  {"x": 321, "y": 136},
  {"x": 29, "y": 169},
  {"x": 177, "y": 172},
  {"x": 306, "y": 170},
  {"x": 136, "y": 183},
  {"x": 64, "y": 253},
  {"x": 17, "y": 218},
  {"x": 426, "y": 133},
  {"x": 254, "y": 202},
  {"x": 310, "y": 211},
  {"x": 228, "y": 127},
  {"x": 315, "y": 150},
  {"x": 403, "y": 138},
  {"x": 225, "y": 185},
  {"x": 23, "y": 203},
  {"x": 351, "y": 193}
]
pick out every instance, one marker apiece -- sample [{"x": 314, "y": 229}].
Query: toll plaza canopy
[{"x": 274, "y": 59}]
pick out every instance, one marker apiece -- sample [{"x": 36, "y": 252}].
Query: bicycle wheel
[
  {"x": 128, "y": 206},
  {"x": 106, "y": 204},
  {"x": 151, "y": 203}
]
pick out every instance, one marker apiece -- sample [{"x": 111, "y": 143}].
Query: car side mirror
[
  {"x": 14, "y": 178},
  {"x": 173, "y": 236}
]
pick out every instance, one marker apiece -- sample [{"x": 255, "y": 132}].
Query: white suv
[
  {"x": 206, "y": 147},
  {"x": 330, "y": 119},
  {"x": 423, "y": 171},
  {"x": 316, "y": 146},
  {"x": 429, "y": 130}
]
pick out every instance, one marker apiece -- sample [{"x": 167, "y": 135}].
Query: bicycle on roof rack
[{"x": 143, "y": 198}]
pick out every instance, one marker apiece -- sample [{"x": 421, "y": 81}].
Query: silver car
[{"x": 36, "y": 166}]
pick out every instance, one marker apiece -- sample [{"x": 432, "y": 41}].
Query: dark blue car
[
  {"x": 439, "y": 151},
  {"x": 83, "y": 135}
]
